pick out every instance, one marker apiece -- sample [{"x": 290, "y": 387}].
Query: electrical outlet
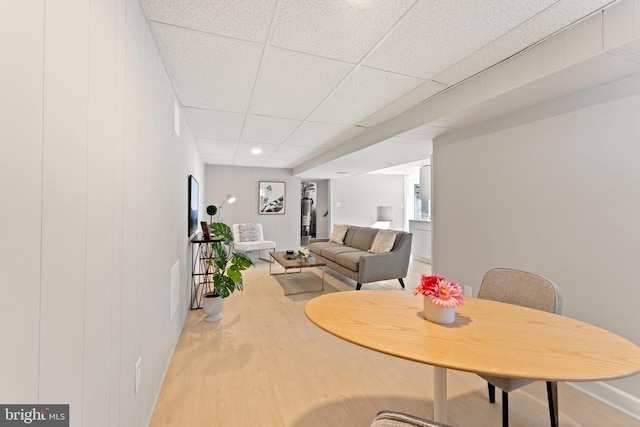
[
  {"x": 138, "y": 373},
  {"x": 468, "y": 292}
]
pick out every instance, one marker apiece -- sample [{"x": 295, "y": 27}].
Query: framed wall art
[
  {"x": 193, "y": 205},
  {"x": 272, "y": 198}
]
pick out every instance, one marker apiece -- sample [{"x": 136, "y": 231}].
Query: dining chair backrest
[
  {"x": 521, "y": 288},
  {"x": 528, "y": 290}
]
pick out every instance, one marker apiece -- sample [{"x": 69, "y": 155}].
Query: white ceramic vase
[
  {"x": 437, "y": 313},
  {"x": 212, "y": 306}
]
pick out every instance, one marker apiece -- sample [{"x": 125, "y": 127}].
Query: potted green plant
[
  {"x": 211, "y": 211},
  {"x": 227, "y": 271}
]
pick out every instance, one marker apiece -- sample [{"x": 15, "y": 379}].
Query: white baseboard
[{"x": 614, "y": 397}]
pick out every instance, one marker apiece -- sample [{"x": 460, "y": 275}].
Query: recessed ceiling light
[
  {"x": 256, "y": 151},
  {"x": 342, "y": 173}
]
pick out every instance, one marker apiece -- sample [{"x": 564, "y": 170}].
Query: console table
[{"x": 201, "y": 270}]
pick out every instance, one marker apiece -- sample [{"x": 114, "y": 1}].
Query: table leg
[
  {"x": 440, "y": 394},
  {"x": 286, "y": 276}
]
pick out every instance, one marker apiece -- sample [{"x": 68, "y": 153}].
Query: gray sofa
[{"x": 353, "y": 260}]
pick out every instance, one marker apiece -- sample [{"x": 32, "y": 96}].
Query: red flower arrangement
[{"x": 440, "y": 291}]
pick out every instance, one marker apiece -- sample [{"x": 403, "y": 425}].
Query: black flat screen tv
[{"x": 193, "y": 205}]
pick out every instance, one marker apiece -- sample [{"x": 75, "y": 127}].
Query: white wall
[
  {"x": 94, "y": 209},
  {"x": 360, "y": 195},
  {"x": 552, "y": 190},
  {"x": 243, "y": 182}
]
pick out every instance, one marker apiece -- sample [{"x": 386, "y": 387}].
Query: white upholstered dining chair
[{"x": 528, "y": 290}]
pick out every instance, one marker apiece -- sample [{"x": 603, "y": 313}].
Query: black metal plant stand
[{"x": 201, "y": 269}]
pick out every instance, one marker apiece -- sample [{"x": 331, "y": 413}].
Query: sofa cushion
[
  {"x": 332, "y": 252},
  {"x": 338, "y": 233},
  {"x": 318, "y": 246},
  {"x": 353, "y": 229},
  {"x": 363, "y": 238},
  {"x": 350, "y": 260},
  {"x": 383, "y": 242}
]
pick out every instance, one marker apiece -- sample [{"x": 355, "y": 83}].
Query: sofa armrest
[
  {"x": 374, "y": 267},
  {"x": 389, "y": 265}
]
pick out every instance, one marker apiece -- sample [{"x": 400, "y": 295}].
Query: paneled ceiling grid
[{"x": 296, "y": 78}]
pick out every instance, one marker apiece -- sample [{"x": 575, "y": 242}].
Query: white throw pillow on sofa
[
  {"x": 338, "y": 233},
  {"x": 383, "y": 242}
]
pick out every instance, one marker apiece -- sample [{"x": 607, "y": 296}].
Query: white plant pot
[
  {"x": 437, "y": 313},
  {"x": 212, "y": 306}
]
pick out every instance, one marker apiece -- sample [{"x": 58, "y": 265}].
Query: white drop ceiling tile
[
  {"x": 244, "y": 149},
  {"x": 362, "y": 93},
  {"x": 314, "y": 134},
  {"x": 209, "y": 71},
  {"x": 584, "y": 40},
  {"x": 618, "y": 24},
  {"x": 290, "y": 152},
  {"x": 216, "y": 147},
  {"x": 292, "y": 84},
  {"x": 338, "y": 29},
  {"x": 214, "y": 124},
  {"x": 304, "y": 82},
  {"x": 248, "y": 161},
  {"x": 211, "y": 159},
  {"x": 435, "y": 35},
  {"x": 407, "y": 101},
  {"x": 238, "y": 19},
  {"x": 268, "y": 130}
]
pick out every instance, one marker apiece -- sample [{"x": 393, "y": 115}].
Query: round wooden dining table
[{"x": 487, "y": 337}]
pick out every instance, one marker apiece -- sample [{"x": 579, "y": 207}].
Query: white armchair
[{"x": 249, "y": 237}]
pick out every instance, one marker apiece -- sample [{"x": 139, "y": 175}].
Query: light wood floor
[{"x": 265, "y": 364}]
